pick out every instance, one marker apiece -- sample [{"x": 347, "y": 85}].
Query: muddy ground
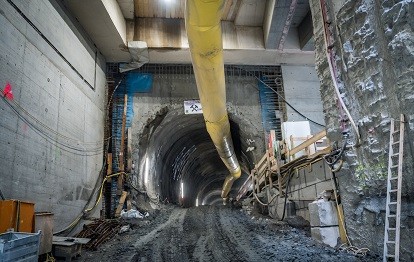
[{"x": 211, "y": 233}]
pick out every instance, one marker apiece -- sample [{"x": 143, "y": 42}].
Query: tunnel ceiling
[{"x": 180, "y": 152}]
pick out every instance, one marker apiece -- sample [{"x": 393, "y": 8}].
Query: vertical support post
[
  {"x": 269, "y": 174},
  {"x": 109, "y": 166},
  {"x": 122, "y": 148},
  {"x": 129, "y": 151}
]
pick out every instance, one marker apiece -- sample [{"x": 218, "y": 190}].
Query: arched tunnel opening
[{"x": 180, "y": 163}]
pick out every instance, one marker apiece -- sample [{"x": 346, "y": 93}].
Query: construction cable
[
  {"x": 350, "y": 249},
  {"x": 336, "y": 169},
  {"x": 287, "y": 103},
  {"x": 257, "y": 198},
  {"x": 50, "y": 258},
  {"x": 78, "y": 218},
  {"x": 87, "y": 210},
  {"x": 17, "y": 105},
  {"x": 289, "y": 172},
  {"x": 284, "y": 184},
  {"x": 283, "y": 99},
  {"x": 113, "y": 92},
  {"x": 354, "y": 250},
  {"x": 50, "y": 44},
  {"x": 286, "y": 196},
  {"x": 329, "y": 57},
  {"x": 336, "y": 156},
  {"x": 63, "y": 146},
  {"x": 1, "y": 195}
]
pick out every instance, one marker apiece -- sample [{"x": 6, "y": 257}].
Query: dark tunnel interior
[{"x": 185, "y": 168}]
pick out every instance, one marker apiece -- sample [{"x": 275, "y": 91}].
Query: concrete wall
[
  {"x": 302, "y": 90},
  {"x": 34, "y": 168},
  {"x": 374, "y": 53}
]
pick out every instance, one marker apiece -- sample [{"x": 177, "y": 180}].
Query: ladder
[{"x": 394, "y": 182}]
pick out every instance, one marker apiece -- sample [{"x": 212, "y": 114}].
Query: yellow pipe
[{"x": 202, "y": 18}]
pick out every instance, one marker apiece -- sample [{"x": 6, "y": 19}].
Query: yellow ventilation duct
[{"x": 203, "y": 26}]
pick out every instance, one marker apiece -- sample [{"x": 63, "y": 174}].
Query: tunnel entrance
[{"x": 180, "y": 163}]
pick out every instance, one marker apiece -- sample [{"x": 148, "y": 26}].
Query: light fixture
[
  {"x": 146, "y": 171},
  {"x": 182, "y": 190}
]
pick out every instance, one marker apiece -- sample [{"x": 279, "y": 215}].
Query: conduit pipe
[
  {"x": 330, "y": 59},
  {"x": 203, "y": 25}
]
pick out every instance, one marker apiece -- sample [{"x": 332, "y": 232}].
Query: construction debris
[
  {"x": 133, "y": 213},
  {"x": 68, "y": 247},
  {"x": 99, "y": 232},
  {"x": 124, "y": 229}
]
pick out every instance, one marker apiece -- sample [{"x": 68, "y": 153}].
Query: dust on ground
[{"x": 213, "y": 233}]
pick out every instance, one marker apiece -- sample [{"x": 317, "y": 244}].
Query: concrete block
[
  {"x": 303, "y": 213},
  {"x": 309, "y": 193},
  {"x": 302, "y": 89},
  {"x": 302, "y": 177},
  {"x": 323, "y": 213},
  {"x": 294, "y": 195},
  {"x": 326, "y": 235},
  {"x": 294, "y": 183},
  {"x": 276, "y": 210},
  {"x": 318, "y": 170},
  {"x": 290, "y": 209},
  {"x": 325, "y": 185}
]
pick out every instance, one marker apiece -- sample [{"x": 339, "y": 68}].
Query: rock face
[{"x": 373, "y": 42}]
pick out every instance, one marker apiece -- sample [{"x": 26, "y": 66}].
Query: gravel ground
[{"x": 211, "y": 233}]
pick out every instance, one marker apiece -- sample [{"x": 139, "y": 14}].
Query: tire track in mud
[
  {"x": 177, "y": 216},
  {"x": 158, "y": 245},
  {"x": 209, "y": 233}
]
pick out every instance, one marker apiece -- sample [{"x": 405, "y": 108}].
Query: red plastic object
[{"x": 8, "y": 93}]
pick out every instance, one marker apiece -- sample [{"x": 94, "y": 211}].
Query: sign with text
[{"x": 192, "y": 107}]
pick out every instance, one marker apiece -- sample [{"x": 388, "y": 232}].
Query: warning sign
[{"x": 192, "y": 107}]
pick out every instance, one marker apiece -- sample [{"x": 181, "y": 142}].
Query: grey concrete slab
[
  {"x": 34, "y": 168},
  {"x": 302, "y": 91}
]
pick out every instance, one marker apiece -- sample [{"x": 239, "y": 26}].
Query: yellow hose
[
  {"x": 203, "y": 24},
  {"x": 78, "y": 218}
]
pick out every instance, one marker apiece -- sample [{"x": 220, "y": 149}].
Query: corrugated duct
[{"x": 202, "y": 18}]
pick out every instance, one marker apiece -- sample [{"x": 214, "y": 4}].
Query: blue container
[{"x": 18, "y": 246}]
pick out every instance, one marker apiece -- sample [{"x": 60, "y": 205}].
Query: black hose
[
  {"x": 338, "y": 154},
  {"x": 282, "y": 97},
  {"x": 1, "y": 195},
  {"x": 286, "y": 196}
]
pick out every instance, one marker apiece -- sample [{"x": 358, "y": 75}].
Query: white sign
[{"x": 192, "y": 107}]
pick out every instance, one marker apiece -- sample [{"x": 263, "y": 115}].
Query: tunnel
[{"x": 180, "y": 165}]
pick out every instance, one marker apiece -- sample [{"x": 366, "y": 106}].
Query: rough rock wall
[{"x": 374, "y": 48}]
